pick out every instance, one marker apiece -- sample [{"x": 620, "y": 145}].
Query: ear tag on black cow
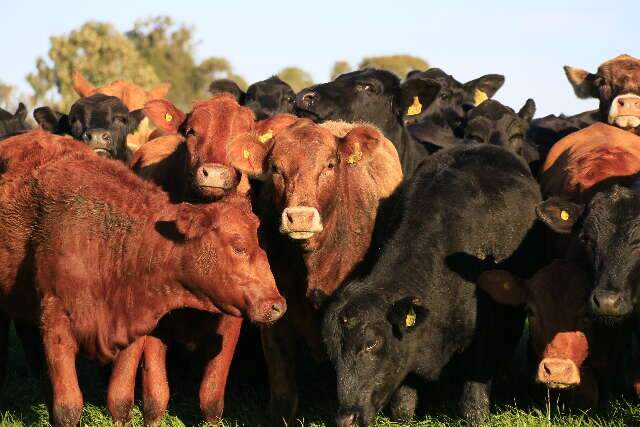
[
  {"x": 356, "y": 156},
  {"x": 265, "y": 137},
  {"x": 410, "y": 320},
  {"x": 415, "y": 108},
  {"x": 479, "y": 97},
  {"x": 564, "y": 215},
  {"x": 168, "y": 117}
]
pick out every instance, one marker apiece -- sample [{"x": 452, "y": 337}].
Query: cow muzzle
[
  {"x": 609, "y": 303},
  {"x": 625, "y": 111},
  {"x": 100, "y": 141},
  {"x": 351, "y": 417},
  {"x": 558, "y": 373},
  {"x": 214, "y": 180},
  {"x": 562, "y": 359},
  {"x": 267, "y": 310},
  {"x": 300, "y": 222}
]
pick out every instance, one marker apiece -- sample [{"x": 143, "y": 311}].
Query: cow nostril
[
  {"x": 204, "y": 172},
  {"x": 546, "y": 369},
  {"x": 596, "y": 302},
  {"x": 290, "y": 218},
  {"x": 106, "y": 137},
  {"x": 308, "y": 98},
  {"x": 621, "y": 102}
]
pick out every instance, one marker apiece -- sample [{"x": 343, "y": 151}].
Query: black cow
[
  {"x": 466, "y": 209},
  {"x": 13, "y": 124},
  {"x": 544, "y": 132},
  {"x": 229, "y": 86},
  {"x": 102, "y": 122},
  {"x": 493, "y": 123}
]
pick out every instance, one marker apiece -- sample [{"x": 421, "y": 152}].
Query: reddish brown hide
[
  {"x": 192, "y": 166},
  {"x": 96, "y": 256},
  {"x": 319, "y": 207},
  {"x": 132, "y": 95}
]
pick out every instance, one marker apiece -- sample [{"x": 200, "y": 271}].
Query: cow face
[
  {"x": 270, "y": 97},
  {"x": 207, "y": 130},
  {"x": 366, "y": 95},
  {"x": 617, "y": 85},
  {"x": 433, "y": 101},
  {"x": 227, "y": 86},
  {"x": 370, "y": 343},
  {"x": 556, "y": 301},
  {"x": 224, "y": 260},
  {"x": 493, "y": 123},
  {"x": 12, "y": 124},
  {"x": 609, "y": 235},
  {"x": 102, "y": 122}
]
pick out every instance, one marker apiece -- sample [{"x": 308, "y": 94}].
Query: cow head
[
  {"x": 222, "y": 258},
  {"x": 227, "y": 86},
  {"x": 617, "y": 85},
  {"x": 493, "y": 123},
  {"x": 607, "y": 231},
  {"x": 270, "y": 97},
  {"x": 556, "y": 301},
  {"x": 12, "y": 124},
  {"x": 102, "y": 122},
  {"x": 206, "y": 129}
]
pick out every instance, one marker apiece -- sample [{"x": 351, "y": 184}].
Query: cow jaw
[{"x": 625, "y": 111}]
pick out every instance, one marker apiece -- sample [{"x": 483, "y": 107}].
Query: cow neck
[{"x": 410, "y": 151}]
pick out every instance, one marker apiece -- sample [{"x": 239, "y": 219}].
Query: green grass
[{"x": 22, "y": 404}]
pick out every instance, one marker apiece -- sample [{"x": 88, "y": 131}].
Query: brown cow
[
  {"x": 192, "y": 167},
  {"x": 617, "y": 85},
  {"x": 319, "y": 209},
  {"x": 96, "y": 256},
  {"x": 131, "y": 95}
]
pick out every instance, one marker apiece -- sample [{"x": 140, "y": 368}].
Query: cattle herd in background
[{"x": 397, "y": 228}]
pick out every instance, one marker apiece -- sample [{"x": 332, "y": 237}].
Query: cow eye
[
  {"x": 365, "y": 87},
  {"x": 120, "y": 119},
  {"x": 371, "y": 345},
  {"x": 330, "y": 165},
  {"x": 238, "y": 245},
  {"x": 288, "y": 99},
  {"x": 516, "y": 136},
  {"x": 475, "y": 138},
  {"x": 190, "y": 132},
  {"x": 444, "y": 95}
]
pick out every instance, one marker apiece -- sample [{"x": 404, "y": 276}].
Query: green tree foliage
[
  {"x": 296, "y": 77},
  {"x": 340, "y": 67},
  {"x": 397, "y": 64},
  {"x": 99, "y": 52}
]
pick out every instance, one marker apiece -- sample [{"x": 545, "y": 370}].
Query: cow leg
[
  {"x": 31, "y": 341},
  {"x": 121, "y": 391},
  {"x": 155, "y": 385},
  {"x": 60, "y": 352},
  {"x": 5, "y": 322},
  {"x": 474, "y": 404},
  {"x": 403, "y": 403},
  {"x": 279, "y": 353},
  {"x": 216, "y": 370}
]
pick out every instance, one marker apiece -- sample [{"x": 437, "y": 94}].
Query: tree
[
  {"x": 340, "y": 67},
  {"x": 296, "y": 77},
  {"x": 99, "y": 52},
  {"x": 397, "y": 64}
]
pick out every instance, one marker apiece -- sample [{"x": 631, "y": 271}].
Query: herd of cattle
[{"x": 396, "y": 227}]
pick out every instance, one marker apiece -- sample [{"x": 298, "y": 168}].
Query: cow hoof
[
  {"x": 212, "y": 411},
  {"x": 476, "y": 417},
  {"x": 66, "y": 415},
  {"x": 282, "y": 411},
  {"x": 152, "y": 411},
  {"x": 120, "y": 411},
  {"x": 403, "y": 404}
]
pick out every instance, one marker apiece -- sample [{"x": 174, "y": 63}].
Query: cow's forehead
[
  {"x": 622, "y": 67},
  {"x": 307, "y": 139}
]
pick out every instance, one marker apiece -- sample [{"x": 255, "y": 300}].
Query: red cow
[
  {"x": 96, "y": 256},
  {"x": 319, "y": 207}
]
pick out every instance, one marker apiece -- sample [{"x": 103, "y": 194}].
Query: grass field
[{"x": 22, "y": 404}]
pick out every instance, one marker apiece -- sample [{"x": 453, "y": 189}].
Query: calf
[
  {"x": 616, "y": 85},
  {"x": 132, "y": 96},
  {"x": 60, "y": 203},
  {"x": 318, "y": 208},
  {"x": 270, "y": 97},
  {"x": 464, "y": 210},
  {"x": 13, "y": 124},
  {"x": 102, "y": 122}
]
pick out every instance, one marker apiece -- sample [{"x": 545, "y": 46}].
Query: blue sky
[{"x": 528, "y": 43}]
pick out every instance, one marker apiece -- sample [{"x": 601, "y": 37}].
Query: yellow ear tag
[
  {"x": 410, "y": 320},
  {"x": 265, "y": 137},
  {"x": 415, "y": 108},
  {"x": 246, "y": 153},
  {"x": 506, "y": 286},
  {"x": 356, "y": 156},
  {"x": 564, "y": 215},
  {"x": 168, "y": 117},
  {"x": 479, "y": 97}
]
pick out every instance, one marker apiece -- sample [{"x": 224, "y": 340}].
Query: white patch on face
[{"x": 625, "y": 111}]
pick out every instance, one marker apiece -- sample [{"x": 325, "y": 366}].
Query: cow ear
[
  {"x": 484, "y": 87},
  {"x": 160, "y": 91},
  {"x": 583, "y": 82},
  {"x": 51, "y": 120},
  {"x": 406, "y": 315},
  {"x": 21, "y": 112},
  {"x": 164, "y": 115},
  {"x": 559, "y": 215},
  {"x": 81, "y": 85},
  {"x": 193, "y": 222},
  {"x": 135, "y": 117},
  {"x": 248, "y": 152},
  {"x": 528, "y": 110},
  {"x": 358, "y": 144},
  {"x": 503, "y": 287},
  {"x": 416, "y": 95}
]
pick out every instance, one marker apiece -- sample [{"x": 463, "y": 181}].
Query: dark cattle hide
[
  {"x": 227, "y": 86},
  {"x": 270, "y": 97},
  {"x": 13, "y": 124}
]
